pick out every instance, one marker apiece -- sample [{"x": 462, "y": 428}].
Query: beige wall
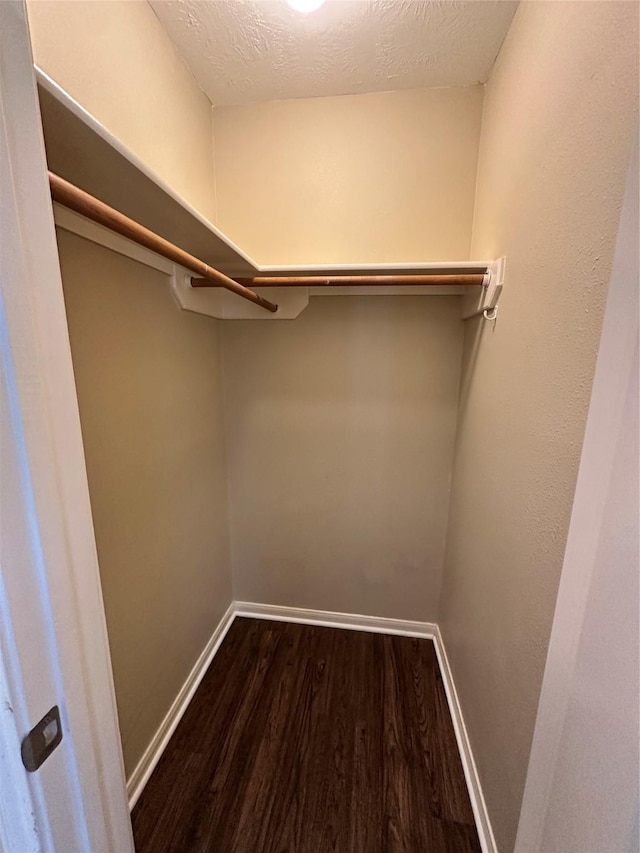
[
  {"x": 582, "y": 790},
  {"x": 149, "y": 388},
  {"x": 340, "y": 431},
  {"x": 117, "y": 61},
  {"x": 354, "y": 179},
  {"x": 559, "y": 113},
  {"x": 386, "y": 177}
]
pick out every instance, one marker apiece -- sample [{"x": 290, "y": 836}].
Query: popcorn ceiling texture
[{"x": 243, "y": 50}]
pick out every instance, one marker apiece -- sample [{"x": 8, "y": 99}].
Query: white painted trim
[
  {"x": 328, "y": 619},
  {"x": 152, "y": 754},
  {"x": 100, "y": 130},
  {"x": 408, "y": 266},
  {"x": 145, "y": 767},
  {"x": 52, "y": 609},
  {"x": 478, "y": 804},
  {"x": 211, "y": 302},
  {"x": 73, "y": 222},
  {"x": 401, "y": 627},
  {"x": 216, "y": 302}
]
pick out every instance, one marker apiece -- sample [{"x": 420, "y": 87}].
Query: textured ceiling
[{"x": 261, "y": 50}]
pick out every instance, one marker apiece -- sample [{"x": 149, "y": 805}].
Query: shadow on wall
[
  {"x": 340, "y": 433},
  {"x": 476, "y": 331}
]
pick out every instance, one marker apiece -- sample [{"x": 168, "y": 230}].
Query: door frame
[
  {"x": 52, "y": 630},
  {"x": 71, "y": 608}
]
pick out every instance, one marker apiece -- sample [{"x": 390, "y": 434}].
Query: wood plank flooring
[{"x": 303, "y": 739}]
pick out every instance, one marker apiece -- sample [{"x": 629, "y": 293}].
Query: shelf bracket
[{"x": 492, "y": 287}]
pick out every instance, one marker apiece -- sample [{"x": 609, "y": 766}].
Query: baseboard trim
[
  {"x": 152, "y": 754},
  {"x": 328, "y": 619},
  {"x": 483, "y": 824},
  {"x": 401, "y": 627}
]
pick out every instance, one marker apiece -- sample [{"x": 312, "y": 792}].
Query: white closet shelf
[{"x": 83, "y": 152}]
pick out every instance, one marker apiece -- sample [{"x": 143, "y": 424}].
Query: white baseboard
[
  {"x": 147, "y": 764},
  {"x": 483, "y": 824},
  {"x": 380, "y": 625},
  {"x": 349, "y": 621},
  {"x": 328, "y": 619}
]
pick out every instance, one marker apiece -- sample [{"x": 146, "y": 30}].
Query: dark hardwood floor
[{"x": 309, "y": 740}]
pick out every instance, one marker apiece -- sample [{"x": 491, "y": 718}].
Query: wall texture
[
  {"x": 582, "y": 790},
  {"x": 149, "y": 389},
  {"x": 559, "y": 113},
  {"x": 117, "y": 61},
  {"x": 594, "y": 795},
  {"x": 355, "y": 179},
  {"x": 340, "y": 432}
]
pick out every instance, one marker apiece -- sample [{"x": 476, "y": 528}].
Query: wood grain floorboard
[{"x": 302, "y": 739}]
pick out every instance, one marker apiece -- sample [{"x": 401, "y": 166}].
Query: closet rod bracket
[{"x": 492, "y": 286}]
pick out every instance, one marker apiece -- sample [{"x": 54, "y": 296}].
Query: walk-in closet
[{"x": 344, "y": 470}]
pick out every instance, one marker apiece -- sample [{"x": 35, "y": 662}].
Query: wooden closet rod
[
  {"x": 87, "y": 205},
  {"x": 420, "y": 279}
]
